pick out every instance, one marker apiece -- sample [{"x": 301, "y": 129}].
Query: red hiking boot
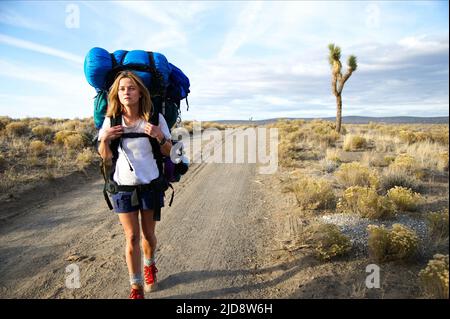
[
  {"x": 136, "y": 293},
  {"x": 150, "y": 277}
]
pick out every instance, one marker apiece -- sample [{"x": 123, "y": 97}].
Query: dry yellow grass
[
  {"x": 365, "y": 202},
  {"x": 16, "y": 129},
  {"x": 354, "y": 142},
  {"x": 333, "y": 154},
  {"x": 390, "y": 172},
  {"x": 37, "y": 147},
  {"x": 438, "y": 227},
  {"x": 43, "y": 132},
  {"x": 392, "y": 177},
  {"x": 326, "y": 240},
  {"x": 85, "y": 158},
  {"x": 30, "y": 153},
  {"x": 312, "y": 193},
  {"x": 434, "y": 277},
  {"x": 427, "y": 155},
  {"x": 355, "y": 174},
  {"x": 405, "y": 199},
  {"x": 398, "y": 243}
]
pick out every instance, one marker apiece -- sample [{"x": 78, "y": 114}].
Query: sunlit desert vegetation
[
  {"x": 36, "y": 149},
  {"x": 389, "y": 181}
]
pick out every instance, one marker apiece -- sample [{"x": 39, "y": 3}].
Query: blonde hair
[{"x": 145, "y": 102}]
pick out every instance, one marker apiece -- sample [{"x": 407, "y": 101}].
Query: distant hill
[{"x": 354, "y": 120}]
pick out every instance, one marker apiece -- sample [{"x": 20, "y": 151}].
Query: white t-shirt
[{"x": 139, "y": 153}]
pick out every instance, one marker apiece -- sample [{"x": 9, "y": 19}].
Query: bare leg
[
  {"x": 148, "y": 230},
  {"x": 130, "y": 223}
]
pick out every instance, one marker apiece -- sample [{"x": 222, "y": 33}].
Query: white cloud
[
  {"x": 36, "y": 47},
  {"x": 60, "y": 82},
  {"x": 63, "y": 94},
  {"x": 166, "y": 25},
  {"x": 423, "y": 44},
  {"x": 45, "y": 106},
  {"x": 149, "y": 11},
  {"x": 10, "y": 17},
  {"x": 243, "y": 28}
]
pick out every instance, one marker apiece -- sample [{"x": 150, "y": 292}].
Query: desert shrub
[
  {"x": 294, "y": 136},
  {"x": 374, "y": 126},
  {"x": 3, "y": 162},
  {"x": 425, "y": 155},
  {"x": 17, "y": 129},
  {"x": 328, "y": 166},
  {"x": 407, "y": 136},
  {"x": 314, "y": 193},
  {"x": 74, "y": 142},
  {"x": 333, "y": 154},
  {"x": 43, "y": 132},
  {"x": 388, "y": 159},
  {"x": 61, "y": 136},
  {"x": 323, "y": 132},
  {"x": 328, "y": 241},
  {"x": 438, "y": 225},
  {"x": 399, "y": 243},
  {"x": 422, "y": 136},
  {"x": 51, "y": 161},
  {"x": 32, "y": 123},
  {"x": 218, "y": 126},
  {"x": 288, "y": 153},
  {"x": 331, "y": 161},
  {"x": 71, "y": 125},
  {"x": 324, "y": 127},
  {"x": 365, "y": 202},
  {"x": 442, "y": 163},
  {"x": 288, "y": 126},
  {"x": 4, "y": 120},
  {"x": 85, "y": 158},
  {"x": 441, "y": 137},
  {"x": 329, "y": 138},
  {"x": 407, "y": 164},
  {"x": 354, "y": 174},
  {"x": 354, "y": 143},
  {"x": 394, "y": 177},
  {"x": 434, "y": 277},
  {"x": 37, "y": 147},
  {"x": 373, "y": 159},
  {"x": 405, "y": 199}
]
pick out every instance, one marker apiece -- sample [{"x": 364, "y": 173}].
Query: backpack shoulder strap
[
  {"x": 155, "y": 145},
  {"x": 117, "y": 120}
]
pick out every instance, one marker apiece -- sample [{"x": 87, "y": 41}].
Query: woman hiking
[{"x": 129, "y": 99}]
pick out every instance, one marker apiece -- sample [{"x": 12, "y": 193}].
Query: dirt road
[{"x": 210, "y": 242}]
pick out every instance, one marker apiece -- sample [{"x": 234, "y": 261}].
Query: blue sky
[{"x": 244, "y": 59}]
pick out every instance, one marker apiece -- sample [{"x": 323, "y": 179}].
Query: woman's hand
[
  {"x": 112, "y": 133},
  {"x": 154, "y": 131}
]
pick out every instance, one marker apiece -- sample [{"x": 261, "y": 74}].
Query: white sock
[{"x": 136, "y": 279}]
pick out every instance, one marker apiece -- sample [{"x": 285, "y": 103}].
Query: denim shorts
[{"x": 122, "y": 201}]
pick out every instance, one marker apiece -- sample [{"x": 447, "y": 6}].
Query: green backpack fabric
[{"x": 100, "y": 106}]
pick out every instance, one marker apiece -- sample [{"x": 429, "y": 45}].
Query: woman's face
[{"x": 129, "y": 93}]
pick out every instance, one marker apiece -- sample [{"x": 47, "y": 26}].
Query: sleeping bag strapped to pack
[{"x": 166, "y": 83}]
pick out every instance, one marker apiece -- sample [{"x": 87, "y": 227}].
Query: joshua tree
[{"x": 338, "y": 81}]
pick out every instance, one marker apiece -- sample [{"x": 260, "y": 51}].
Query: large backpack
[{"x": 167, "y": 86}]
